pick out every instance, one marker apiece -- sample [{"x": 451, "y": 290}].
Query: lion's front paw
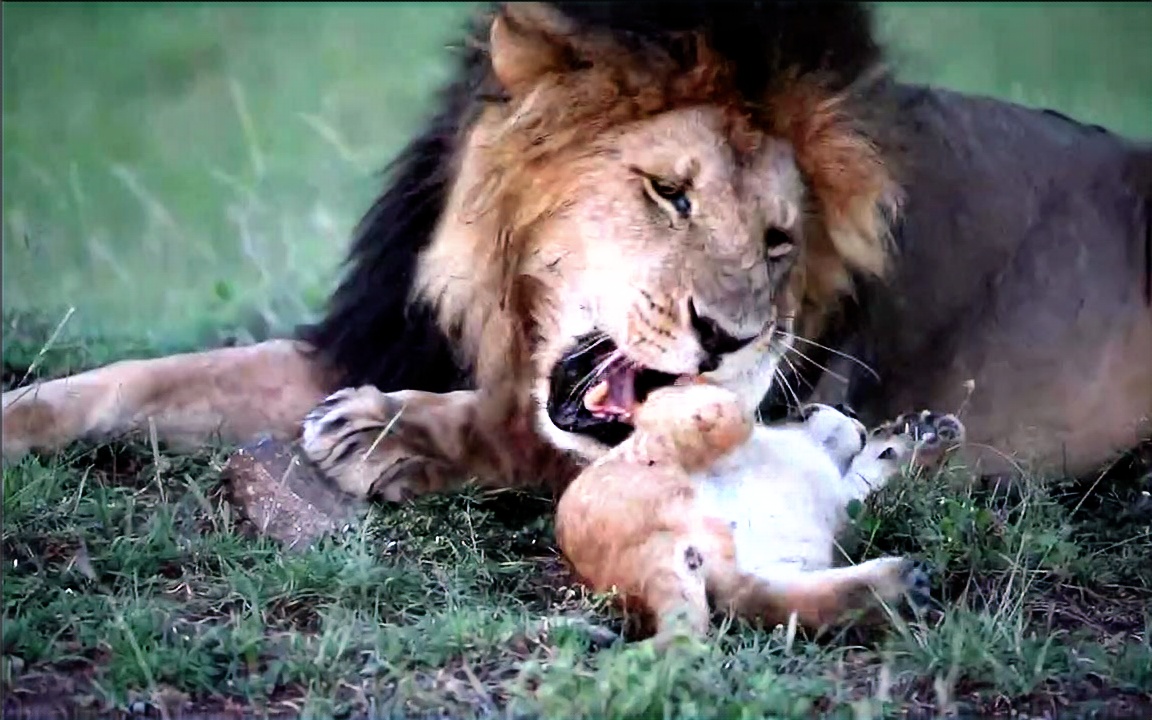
[{"x": 348, "y": 438}]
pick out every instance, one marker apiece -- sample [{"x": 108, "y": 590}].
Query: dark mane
[
  {"x": 762, "y": 40},
  {"x": 373, "y": 333}
]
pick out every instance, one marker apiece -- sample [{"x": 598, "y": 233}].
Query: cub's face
[{"x": 675, "y": 254}]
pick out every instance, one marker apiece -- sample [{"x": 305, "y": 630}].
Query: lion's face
[
  {"x": 618, "y": 219},
  {"x": 672, "y": 256}
]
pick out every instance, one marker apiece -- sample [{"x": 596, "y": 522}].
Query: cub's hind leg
[
  {"x": 395, "y": 446},
  {"x": 634, "y": 529},
  {"x": 230, "y": 393},
  {"x": 829, "y": 596},
  {"x": 826, "y": 597},
  {"x": 630, "y": 522},
  {"x": 665, "y": 582}
]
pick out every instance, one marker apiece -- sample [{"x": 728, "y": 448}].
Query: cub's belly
[{"x": 779, "y": 510}]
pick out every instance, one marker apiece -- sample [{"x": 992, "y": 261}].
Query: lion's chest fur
[{"x": 783, "y": 497}]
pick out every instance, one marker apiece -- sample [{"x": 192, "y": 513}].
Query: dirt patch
[{"x": 72, "y": 694}]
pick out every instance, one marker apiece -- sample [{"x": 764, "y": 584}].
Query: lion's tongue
[{"x": 615, "y": 394}]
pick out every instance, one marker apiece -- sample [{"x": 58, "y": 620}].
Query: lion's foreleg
[
  {"x": 402, "y": 444},
  {"x": 231, "y": 394}
]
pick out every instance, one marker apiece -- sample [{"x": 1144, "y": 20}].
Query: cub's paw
[
  {"x": 701, "y": 418},
  {"x": 901, "y": 580},
  {"x": 917, "y": 581},
  {"x": 927, "y": 436},
  {"x": 348, "y": 437}
]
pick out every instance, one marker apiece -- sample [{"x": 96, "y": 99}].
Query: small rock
[{"x": 285, "y": 496}]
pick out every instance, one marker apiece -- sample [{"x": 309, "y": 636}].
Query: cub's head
[{"x": 623, "y": 215}]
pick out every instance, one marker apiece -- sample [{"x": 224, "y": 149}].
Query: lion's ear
[{"x": 527, "y": 41}]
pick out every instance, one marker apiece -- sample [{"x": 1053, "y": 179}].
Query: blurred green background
[{"x": 169, "y": 169}]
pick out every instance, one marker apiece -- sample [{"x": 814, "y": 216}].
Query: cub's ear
[{"x": 526, "y": 42}]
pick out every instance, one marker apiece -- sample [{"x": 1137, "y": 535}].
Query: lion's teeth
[{"x": 596, "y": 395}]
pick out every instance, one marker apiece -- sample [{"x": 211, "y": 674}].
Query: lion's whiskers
[
  {"x": 844, "y": 355},
  {"x": 596, "y": 340},
  {"x": 594, "y": 373},
  {"x": 588, "y": 345},
  {"x": 826, "y": 369},
  {"x": 784, "y": 381}
]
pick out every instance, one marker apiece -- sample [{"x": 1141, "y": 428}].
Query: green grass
[
  {"x": 129, "y": 578},
  {"x": 178, "y": 173},
  {"x": 172, "y": 168}
]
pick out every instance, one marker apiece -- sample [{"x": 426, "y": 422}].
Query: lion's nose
[{"x": 715, "y": 340}]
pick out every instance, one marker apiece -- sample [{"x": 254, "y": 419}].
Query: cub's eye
[
  {"x": 778, "y": 243},
  {"x": 675, "y": 195}
]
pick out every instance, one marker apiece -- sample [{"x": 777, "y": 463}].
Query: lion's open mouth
[{"x": 595, "y": 388}]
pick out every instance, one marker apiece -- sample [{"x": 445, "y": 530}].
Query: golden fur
[
  {"x": 554, "y": 229},
  {"x": 551, "y": 230},
  {"x": 530, "y": 200},
  {"x": 549, "y": 234}
]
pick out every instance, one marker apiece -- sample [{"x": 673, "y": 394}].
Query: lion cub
[{"x": 701, "y": 503}]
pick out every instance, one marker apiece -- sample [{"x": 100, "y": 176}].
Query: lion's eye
[
  {"x": 778, "y": 243},
  {"x": 673, "y": 194}
]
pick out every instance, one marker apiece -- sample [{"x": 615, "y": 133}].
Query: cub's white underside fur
[{"x": 786, "y": 490}]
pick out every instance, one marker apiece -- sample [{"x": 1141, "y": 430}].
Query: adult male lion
[{"x": 637, "y": 191}]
